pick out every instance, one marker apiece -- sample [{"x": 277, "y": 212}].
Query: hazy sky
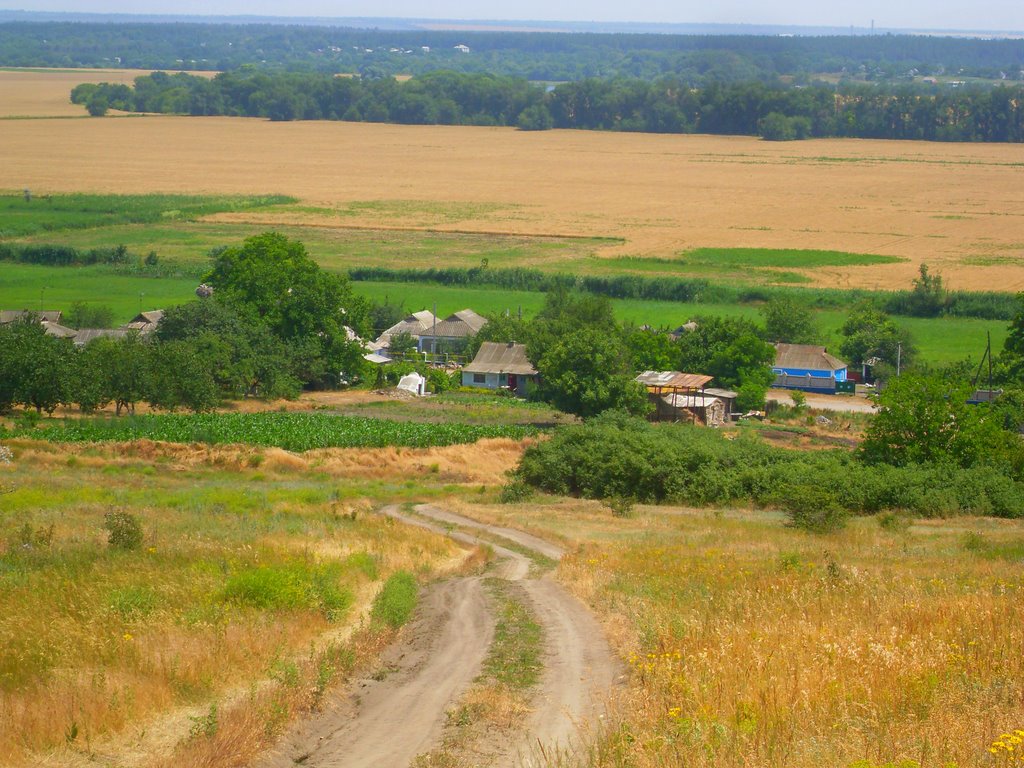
[{"x": 1004, "y": 15}]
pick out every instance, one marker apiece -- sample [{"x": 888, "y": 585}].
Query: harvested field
[
  {"x": 959, "y": 207},
  {"x": 46, "y": 93}
]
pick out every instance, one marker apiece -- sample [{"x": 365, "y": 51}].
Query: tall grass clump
[{"x": 396, "y": 600}]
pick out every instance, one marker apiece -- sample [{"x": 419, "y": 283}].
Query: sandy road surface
[
  {"x": 386, "y": 723},
  {"x": 579, "y": 667},
  {"x": 838, "y": 403}
]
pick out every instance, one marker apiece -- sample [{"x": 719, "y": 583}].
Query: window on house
[{"x": 479, "y": 378}]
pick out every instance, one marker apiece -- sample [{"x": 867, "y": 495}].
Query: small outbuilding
[
  {"x": 808, "y": 367},
  {"x": 500, "y": 366}
]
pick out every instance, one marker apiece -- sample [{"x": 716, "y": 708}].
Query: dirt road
[
  {"x": 839, "y": 403},
  {"x": 386, "y": 722}
]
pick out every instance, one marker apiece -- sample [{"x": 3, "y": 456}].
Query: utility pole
[{"x": 899, "y": 356}]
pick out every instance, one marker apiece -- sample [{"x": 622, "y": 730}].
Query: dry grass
[
  {"x": 755, "y": 645},
  {"x": 484, "y": 462},
  {"x": 111, "y": 652},
  {"x": 934, "y": 202}
]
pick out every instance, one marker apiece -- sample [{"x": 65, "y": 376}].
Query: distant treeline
[
  {"x": 666, "y": 105},
  {"x": 119, "y": 257},
  {"x": 987, "y": 305},
  {"x": 695, "y": 59}
]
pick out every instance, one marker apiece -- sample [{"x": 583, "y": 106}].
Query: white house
[{"x": 499, "y": 366}]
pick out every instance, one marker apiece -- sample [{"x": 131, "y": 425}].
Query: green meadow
[{"x": 174, "y": 228}]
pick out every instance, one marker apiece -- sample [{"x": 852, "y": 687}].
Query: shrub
[
  {"x": 515, "y": 491},
  {"x": 814, "y": 509},
  {"x": 124, "y": 531}
]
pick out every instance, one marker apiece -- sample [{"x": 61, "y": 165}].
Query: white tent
[{"x": 413, "y": 382}]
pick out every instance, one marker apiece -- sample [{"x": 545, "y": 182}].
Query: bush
[
  {"x": 515, "y": 491},
  {"x": 124, "y": 531},
  {"x": 814, "y": 509}
]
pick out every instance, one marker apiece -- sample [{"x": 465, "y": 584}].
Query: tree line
[
  {"x": 269, "y": 323},
  {"x": 548, "y": 56},
  {"x": 665, "y": 105}
]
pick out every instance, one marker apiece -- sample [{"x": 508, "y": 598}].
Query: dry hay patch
[{"x": 484, "y": 462}]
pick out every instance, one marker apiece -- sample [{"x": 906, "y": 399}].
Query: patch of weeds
[
  {"x": 621, "y": 506},
  {"x": 396, "y": 601},
  {"x": 516, "y": 491},
  {"x": 514, "y": 659},
  {"x": 364, "y": 563},
  {"x": 132, "y": 602},
  {"x": 290, "y": 586},
  {"x": 978, "y": 545},
  {"x": 204, "y": 725},
  {"x": 814, "y": 509},
  {"x": 894, "y": 522}
]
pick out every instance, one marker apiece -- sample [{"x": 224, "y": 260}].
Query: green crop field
[
  {"x": 788, "y": 258},
  {"x": 291, "y": 431},
  {"x": 22, "y": 215},
  {"x": 28, "y": 286}
]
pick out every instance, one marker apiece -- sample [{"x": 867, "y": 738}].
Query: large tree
[
  {"x": 309, "y": 309},
  {"x": 588, "y": 372},
  {"x": 789, "y": 321},
  {"x": 870, "y": 333},
  {"x": 925, "y": 420}
]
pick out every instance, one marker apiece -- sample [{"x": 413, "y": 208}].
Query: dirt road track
[{"x": 386, "y": 723}]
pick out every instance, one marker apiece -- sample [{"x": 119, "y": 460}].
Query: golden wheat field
[{"x": 959, "y": 207}]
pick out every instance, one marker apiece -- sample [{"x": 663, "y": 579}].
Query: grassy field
[
  {"x": 22, "y": 215},
  {"x": 26, "y": 286},
  {"x": 752, "y": 644},
  {"x": 233, "y": 610}
]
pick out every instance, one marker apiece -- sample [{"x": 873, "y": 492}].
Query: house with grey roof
[
  {"x": 501, "y": 365},
  {"x": 451, "y": 334},
  {"x": 43, "y": 315},
  {"x": 145, "y": 322}
]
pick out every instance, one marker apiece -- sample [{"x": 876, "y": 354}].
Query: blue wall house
[{"x": 808, "y": 367}]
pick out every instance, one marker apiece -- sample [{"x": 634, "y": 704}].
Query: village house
[
  {"x": 501, "y": 366},
  {"x": 807, "y": 366},
  {"x": 145, "y": 322},
  {"x": 451, "y": 334}
]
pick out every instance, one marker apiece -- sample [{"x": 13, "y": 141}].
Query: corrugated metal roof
[
  {"x": 673, "y": 380},
  {"x": 808, "y": 357},
  {"x": 728, "y": 394},
  {"x": 495, "y": 357},
  {"x": 415, "y": 324},
  {"x": 85, "y": 335},
  {"x": 57, "y": 330}
]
